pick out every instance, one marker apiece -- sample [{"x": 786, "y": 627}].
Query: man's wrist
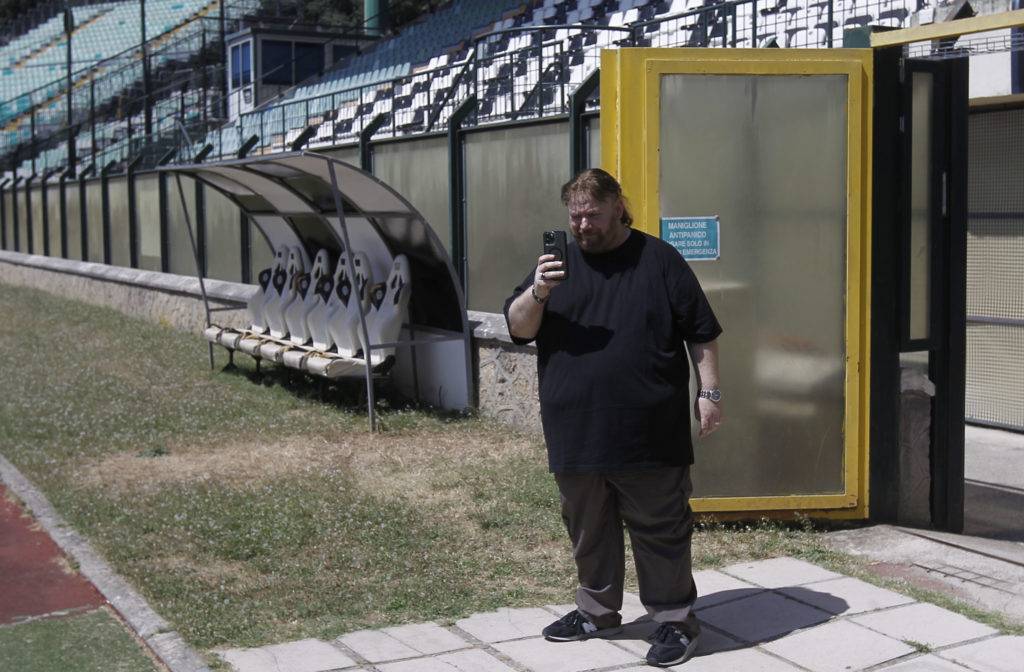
[
  {"x": 711, "y": 393},
  {"x": 533, "y": 293}
]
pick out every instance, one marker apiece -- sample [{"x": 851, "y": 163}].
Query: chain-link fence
[{"x": 995, "y": 269}]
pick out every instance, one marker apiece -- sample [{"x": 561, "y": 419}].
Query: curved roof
[{"x": 294, "y": 198}]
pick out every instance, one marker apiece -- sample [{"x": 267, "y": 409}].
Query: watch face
[{"x": 716, "y": 396}]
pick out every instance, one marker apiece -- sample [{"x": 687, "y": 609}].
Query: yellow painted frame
[
  {"x": 630, "y": 109},
  {"x": 936, "y": 31}
]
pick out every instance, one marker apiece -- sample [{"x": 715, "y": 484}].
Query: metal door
[
  {"x": 768, "y": 152},
  {"x": 919, "y": 303}
]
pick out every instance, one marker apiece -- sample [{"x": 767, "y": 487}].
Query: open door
[
  {"x": 933, "y": 263},
  {"x": 756, "y": 165}
]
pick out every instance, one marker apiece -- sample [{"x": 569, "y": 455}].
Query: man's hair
[{"x": 597, "y": 184}]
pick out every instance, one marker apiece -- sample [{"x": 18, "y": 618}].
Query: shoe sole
[{"x": 596, "y": 634}]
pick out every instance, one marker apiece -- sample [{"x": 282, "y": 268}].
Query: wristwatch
[{"x": 714, "y": 395}]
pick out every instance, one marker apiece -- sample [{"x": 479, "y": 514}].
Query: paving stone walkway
[{"x": 780, "y": 615}]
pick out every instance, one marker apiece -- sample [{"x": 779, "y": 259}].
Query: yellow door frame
[
  {"x": 936, "y": 31},
  {"x": 630, "y": 109}
]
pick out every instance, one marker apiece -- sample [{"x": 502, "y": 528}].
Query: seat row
[{"x": 310, "y": 320}]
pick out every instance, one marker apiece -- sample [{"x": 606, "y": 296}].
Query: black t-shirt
[{"x": 611, "y": 358}]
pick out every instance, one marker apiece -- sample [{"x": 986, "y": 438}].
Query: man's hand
[
  {"x": 705, "y": 366},
  {"x": 708, "y": 414},
  {"x": 527, "y": 311},
  {"x": 547, "y": 276}
]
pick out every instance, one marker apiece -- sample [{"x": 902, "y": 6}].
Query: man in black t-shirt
[{"x": 612, "y": 341}]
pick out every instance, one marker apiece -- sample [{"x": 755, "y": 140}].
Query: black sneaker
[
  {"x": 573, "y": 627},
  {"x": 671, "y": 647}
]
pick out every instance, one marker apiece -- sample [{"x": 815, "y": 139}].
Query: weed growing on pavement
[{"x": 918, "y": 646}]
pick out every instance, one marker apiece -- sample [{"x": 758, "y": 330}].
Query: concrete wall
[{"x": 505, "y": 374}]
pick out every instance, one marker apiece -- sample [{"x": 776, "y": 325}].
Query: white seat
[
  {"x": 343, "y": 323},
  {"x": 390, "y": 301},
  {"x": 306, "y": 299},
  {"x": 268, "y": 290},
  {"x": 274, "y": 308},
  {"x": 333, "y": 297}
]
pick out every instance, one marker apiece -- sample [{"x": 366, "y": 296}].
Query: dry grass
[{"x": 247, "y": 511}]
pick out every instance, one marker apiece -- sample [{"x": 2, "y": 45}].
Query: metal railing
[
  {"x": 107, "y": 92},
  {"x": 515, "y": 74}
]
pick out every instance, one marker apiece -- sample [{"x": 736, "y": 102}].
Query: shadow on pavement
[
  {"x": 993, "y": 510},
  {"x": 746, "y": 617}
]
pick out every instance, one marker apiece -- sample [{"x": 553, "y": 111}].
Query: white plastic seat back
[
  {"x": 274, "y": 309},
  {"x": 343, "y": 323},
  {"x": 267, "y": 291},
  {"x": 390, "y": 304},
  {"x": 319, "y": 317},
  {"x": 305, "y": 300}
]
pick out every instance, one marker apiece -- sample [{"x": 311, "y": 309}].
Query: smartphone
[{"x": 555, "y": 243}]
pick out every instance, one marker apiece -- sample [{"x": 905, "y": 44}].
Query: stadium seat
[
  {"x": 306, "y": 299},
  {"x": 353, "y": 288}
]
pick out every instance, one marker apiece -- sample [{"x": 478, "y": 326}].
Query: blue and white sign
[{"x": 696, "y": 238}]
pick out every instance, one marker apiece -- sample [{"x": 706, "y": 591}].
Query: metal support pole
[
  {"x": 753, "y": 23},
  {"x": 45, "y": 198},
  {"x": 3, "y": 213},
  {"x": 303, "y": 138},
  {"x": 245, "y": 237},
  {"x": 105, "y": 205},
  {"x": 370, "y": 401},
  {"x": 69, "y": 173},
  {"x": 457, "y": 188},
  {"x": 82, "y": 214},
  {"x": 147, "y": 84},
  {"x": 831, "y": 21},
  {"x": 365, "y": 150},
  {"x": 884, "y": 474},
  {"x": 133, "y": 215},
  {"x": 14, "y": 212},
  {"x": 201, "y": 235},
  {"x": 195, "y": 256},
  {"x": 165, "y": 228},
  {"x": 222, "y": 27},
  {"x": 29, "y": 233},
  {"x": 69, "y": 27},
  {"x": 92, "y": 110}
]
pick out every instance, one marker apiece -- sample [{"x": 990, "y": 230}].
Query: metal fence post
[
  {"x": 82, "y": 214},
  {"x": 29, "y": 242},
  {"x": 3, "y": 213},
  {"x": 457, "y": 188}
]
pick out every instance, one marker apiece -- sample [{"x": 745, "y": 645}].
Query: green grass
[
  {"x": 95, "y": 642},
  {"x": 244, "y": 508},
  {"x": 248, "y": 511}
]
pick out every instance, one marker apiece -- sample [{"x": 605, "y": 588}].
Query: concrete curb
[{"x": 165, "y": 644}]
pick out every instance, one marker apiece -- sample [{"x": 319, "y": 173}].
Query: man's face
[{"x": 595, "y": 224}]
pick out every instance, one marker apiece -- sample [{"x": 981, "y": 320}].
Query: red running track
[{"x": 36, "y": 581}]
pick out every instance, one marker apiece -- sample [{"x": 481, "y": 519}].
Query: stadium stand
[
  {"x": 520, "y": 60},
  {"x": 518, "y": 67}
]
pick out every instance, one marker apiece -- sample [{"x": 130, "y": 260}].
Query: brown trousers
[{"x": 655, "y": 507}]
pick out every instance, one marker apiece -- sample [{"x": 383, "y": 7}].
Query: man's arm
[
  {"x": 525, "y": 316},
  {"x": 526, "y": 313},
  {"x": 705, "y": 365}
]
